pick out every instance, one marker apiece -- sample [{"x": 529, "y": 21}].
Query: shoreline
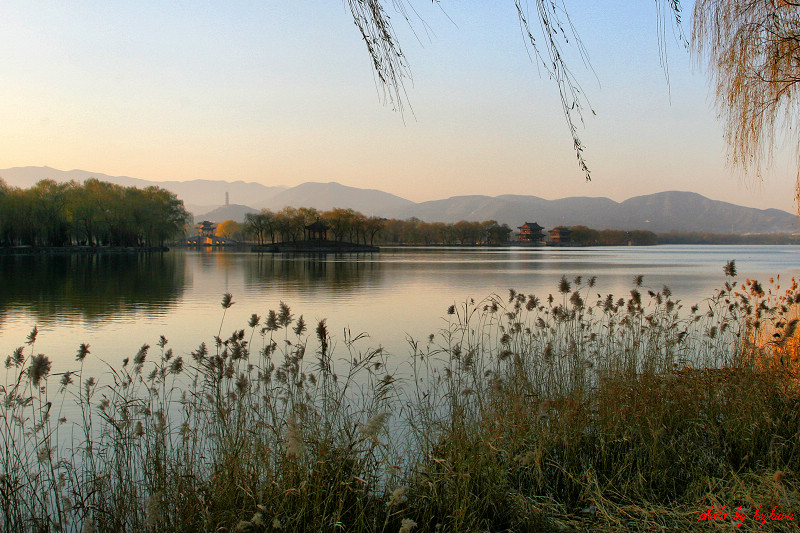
[
  {"x": 325, "y": 247},
  {"x": 67, "y": 250}
]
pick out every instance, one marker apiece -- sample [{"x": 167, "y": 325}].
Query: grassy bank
[{"x": 571, "y": 412}]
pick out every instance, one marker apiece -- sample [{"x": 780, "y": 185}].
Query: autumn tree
[
  {"x": 495, "y": 233},
  {"x": 260, "y": 225},
  {"x": 372, "y": 227},
  {"x": 752, "y": 51},
  {"x": 339, "y": 220},
  {"x": 230, "y": 229}
]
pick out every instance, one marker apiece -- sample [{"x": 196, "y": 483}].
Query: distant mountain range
[
  {"x": 199, "y": 196},
  {"x": 661, "y": 212}
]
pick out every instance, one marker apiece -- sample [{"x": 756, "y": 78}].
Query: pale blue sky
[{"x": 282, "y": 93}]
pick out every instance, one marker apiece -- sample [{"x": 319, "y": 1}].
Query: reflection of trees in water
[
  {"x": 94, "y": 286},
  {"x": 335, "y": 272},
  {"x": 213, "y": 259}
]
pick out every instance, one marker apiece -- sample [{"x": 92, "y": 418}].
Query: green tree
[
  {"x": 495, "y": 233},
  {"x": 60, "y": 214},
  {"x": 5, "y": 193},
  {"x": 162, "y": 216},
  {"x": 85, "y": 212},
  {"x": 50, "y": 212},
  {"x": 584, "y": 235}
]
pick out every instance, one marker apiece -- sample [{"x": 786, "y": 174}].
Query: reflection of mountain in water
[
  {"x": 93, "y": 286},
  {"x": 333, "y": 272}
]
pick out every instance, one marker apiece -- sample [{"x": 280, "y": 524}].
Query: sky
[{"x": 282, "y": 93}]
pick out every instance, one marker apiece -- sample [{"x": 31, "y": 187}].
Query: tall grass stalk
[{"x": 573, "y": 411}]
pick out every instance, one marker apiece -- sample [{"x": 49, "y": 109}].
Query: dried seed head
[
  {"x": 83, "y": 351},
  {"x": 44, "y": 454},
  {"x": 138, "y": 359},
  {"x": 407, "y": 525},
  {"x": 272, "y": 321},
  {"x": 227, "y": 300},
  {"x": 398, "y": 496},
  {"x": 300, "y": 326},
  {"x": 294, "y": 438},
  {"x": 242, "y": 384},
  {"x": 66, "y": 379},
  {"x": 16, "y": 358},
  {"x": 374, "y": 425},
  {"x": 257, "y": 520},
  {"x": 285, "y": 316},
  {"x": 176, "y": 366},
  {"x": 32, "y": 335},
  {"x": 730, "y": 268},
  {"x": 564, "y": 285},
  {"x": 39, "y": 369}
]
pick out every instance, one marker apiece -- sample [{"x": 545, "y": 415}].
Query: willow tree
[
  {"x": 546, "y": 31},
  {"x": 752, "y": 50}
]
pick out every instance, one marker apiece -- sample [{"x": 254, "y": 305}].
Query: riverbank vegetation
[
  {"x": 572, "y": 411},
  {"x": 608, "y": 237},
  {"x": 347, "y": 225},
  {"x": 94, "y": 213},
  {"x": 352, "y": 226}
]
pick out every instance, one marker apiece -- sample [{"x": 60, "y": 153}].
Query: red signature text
[{"x": 740, "y": 515}]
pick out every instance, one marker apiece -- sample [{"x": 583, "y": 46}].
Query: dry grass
[{"x": 569, "y": 413}]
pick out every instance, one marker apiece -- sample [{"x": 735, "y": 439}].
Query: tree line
[
  {"x": 94, "y": 213},
  {"x": 348, "y": 225},
  {"x": 612, "y": 237}
]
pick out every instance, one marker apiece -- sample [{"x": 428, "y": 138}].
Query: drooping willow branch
[
  {"x": 555, "y": 31},
  {"x": 752, "y": 50},
  {"x": 388, "y": 61}
]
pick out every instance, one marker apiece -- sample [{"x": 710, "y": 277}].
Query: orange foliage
[{"x": 772, "y": 323}]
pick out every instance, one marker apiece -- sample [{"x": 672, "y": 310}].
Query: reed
[{"x": 572, "y": 411}]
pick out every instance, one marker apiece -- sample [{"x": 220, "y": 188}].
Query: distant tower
[{"x": 227, "y": 203}]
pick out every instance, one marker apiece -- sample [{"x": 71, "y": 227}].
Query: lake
[{"x": 116, "y": 303}]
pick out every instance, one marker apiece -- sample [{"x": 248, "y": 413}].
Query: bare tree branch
[
  {"x": 556, "y": 33},
  {"x": 752, "y": 52}
]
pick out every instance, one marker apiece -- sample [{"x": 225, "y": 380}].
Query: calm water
[{"x": 118, "y": 303}]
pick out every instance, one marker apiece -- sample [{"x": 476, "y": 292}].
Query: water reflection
[
  {"x": 117, "y": 303},
  {"x": 95, "y": 287},
  {"x": 323, "y": 272}
]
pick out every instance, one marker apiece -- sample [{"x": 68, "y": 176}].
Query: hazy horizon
[
  {"x": 242, "y": 201},
  {"x": 282, "y": 94}
]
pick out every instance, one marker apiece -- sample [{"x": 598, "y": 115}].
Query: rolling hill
[{"x": 660, "y": 212}]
